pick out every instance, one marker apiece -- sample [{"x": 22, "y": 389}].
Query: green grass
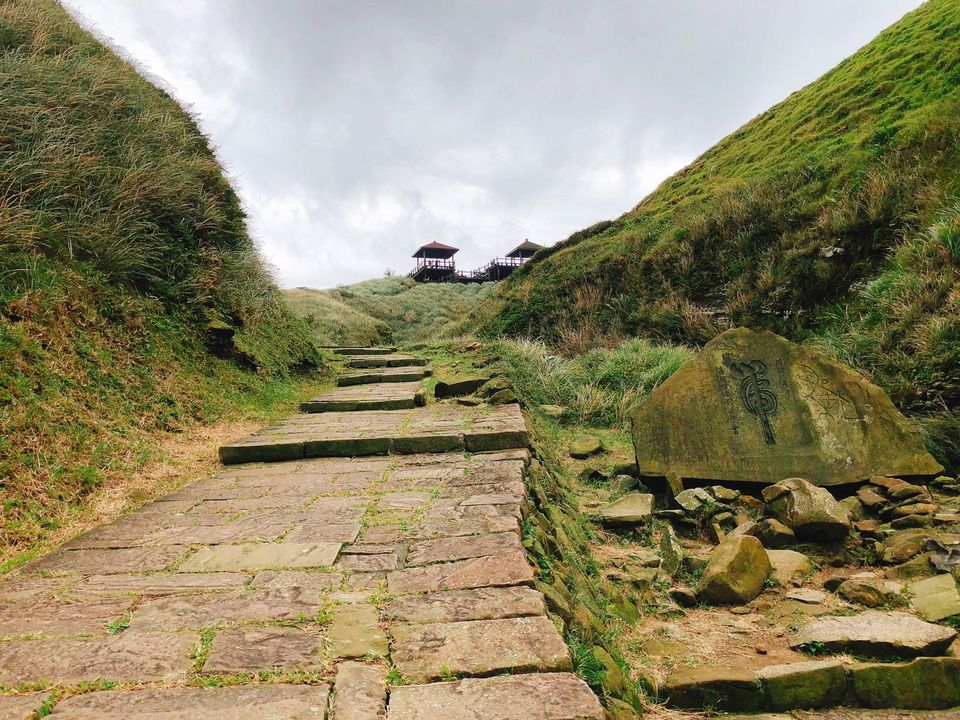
[
  {"x": 133, "y": 305},
  {"x": 598, "y": 387},
  {"x": 390, "y": 309},
  {"x": 830, "y": 218}
]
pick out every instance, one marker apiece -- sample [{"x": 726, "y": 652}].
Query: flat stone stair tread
[
  {"x": 437, "y": 428},
  {"x": 365, "y": 350},
  {"x": 383, "y": 375},
  {"x": 534, "y": 696},
  {"x": 478, "y": 647},
  {"x": 386, "y": 361},
  {"x": 239, "y": 702},
  {"x": 379, "y": 396}
]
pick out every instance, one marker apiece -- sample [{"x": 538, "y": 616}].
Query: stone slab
[
  {"x": 875, "y": 634},
  {"x": 389, "y": 361},
  {"x": 935, "y": 598},
  {"x": 262, "y": 556},
  {"x": 21, "y": 707},
  {"x": 361, "y": 693},
  {"x": 127, "y": 657},
  {"x": 463, "y": 605},
  {"x": 437, "y": 428},
  {"x": 239, "y": 702},
  {"x": 353, "y": 351},
  {"x": 924, "y": 684},
  {"x": 316, "y": 581},
  {"x": 481, "y": 647},
  {"x": 200, "y": 611},
  {"x": 631, "y": 509},
  {"x": 382, "y": 375},
  {"x": 315, "y": 532},
  {"x": 163, "y": 583},
  {"x": 426, "y": 552},
  {"x": 108, "y": 562},
  {"x": 252, "y": 649},
  {"x": 496, "y": 571},
  {"x": 756, "y": 407},
  {"x": 378, "y": 396},
  {"x": 53, "y": 618},
  {"x": 355, "y": 632},
  {"x": 536, "y": 696}
]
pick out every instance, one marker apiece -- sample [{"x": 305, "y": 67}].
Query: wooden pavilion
[{"x": 435, "y": 263}]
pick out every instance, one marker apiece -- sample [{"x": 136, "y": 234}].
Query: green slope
[
  {"x": 132, "y": 301},
  {"x": 390, "y": 309},
  {"x": 831, "y": 218}
]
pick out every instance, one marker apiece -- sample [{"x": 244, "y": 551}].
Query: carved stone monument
[{"x": 755, "y": 407}]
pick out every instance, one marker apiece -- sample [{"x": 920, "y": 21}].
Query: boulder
[
  {"x": 935, "y": 598},
  {"x": 585, "y": 446},
  {"x": 752, "y": 406},
  {"x": 875, "y": 634},
  {"x": 774, "y": 534},
  {"x": 810, "y": 511},
  {"x": 905, "y": 544},
  {"x": 789, "y": 566},
  {"x": 735, "y": 573},
  {"x": 495, "y": 385},
  {"x": 503, "y": 397},
  {"x": 631, "y": 509},
  {"x": 868, "y": 592},
  {"x": 553, "y": 411}
]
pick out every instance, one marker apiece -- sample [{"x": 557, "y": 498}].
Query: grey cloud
[{"x": 358, "y": 130}]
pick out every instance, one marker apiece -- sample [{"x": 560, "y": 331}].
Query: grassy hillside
[
  {"x": 390, "y": 309},
  {"x": 132, "y": 300},
  {"x": 832, "y": 218}
]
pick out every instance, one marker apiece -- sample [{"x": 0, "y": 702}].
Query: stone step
[
  {"x": 352, "y": 351},
  {"x": 383, "y": 375},
  {"x": 535, "y": 696},
  {"x": 389, "y": 361},
  {"x": 438, "y": 428},
  {"x": 381, "y": 396},
  {"x": 240, "y": 702}
]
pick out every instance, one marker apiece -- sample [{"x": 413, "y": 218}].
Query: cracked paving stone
[
  {"x": 21, "y": 707},
  {"x": 163, "y": 583},
  {"x": 306, "y": 580},
  {"x": 462, "y": 548}
]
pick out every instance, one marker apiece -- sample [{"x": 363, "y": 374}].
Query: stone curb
[{"x": 926, "y": 683}]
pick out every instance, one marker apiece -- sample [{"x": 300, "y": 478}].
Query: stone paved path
[{"x": 352, "y": 588}]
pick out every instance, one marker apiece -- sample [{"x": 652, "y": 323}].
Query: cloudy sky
[{"x": 357, "y": 130}]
